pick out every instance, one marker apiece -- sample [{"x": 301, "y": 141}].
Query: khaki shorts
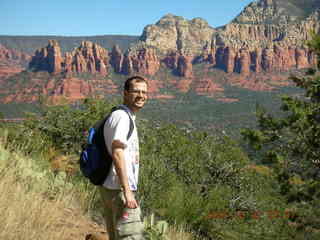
[{"x": 121, "y": 222}]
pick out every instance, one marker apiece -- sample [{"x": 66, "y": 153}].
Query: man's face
[{"x": 136, "y": 96}]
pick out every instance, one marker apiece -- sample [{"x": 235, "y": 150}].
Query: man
[{"x": 122, "y": 211}]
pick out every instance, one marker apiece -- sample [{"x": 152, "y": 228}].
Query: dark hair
[{"x": 129, "y": 81}]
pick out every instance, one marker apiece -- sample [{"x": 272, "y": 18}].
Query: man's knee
[{"x": 129, "y": 225}]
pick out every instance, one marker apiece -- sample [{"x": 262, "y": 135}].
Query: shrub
[{"x": 188, "y": 177}]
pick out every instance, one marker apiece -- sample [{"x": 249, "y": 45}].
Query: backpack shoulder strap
[
  {"x": 97, "y": 135},
  {"x": 131, "y": 126}
]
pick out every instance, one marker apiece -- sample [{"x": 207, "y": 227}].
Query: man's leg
[
  {"x": 109, "y": 217},
  {"x": 128, "y": 220},
  {"x": 124, "y": 223}
]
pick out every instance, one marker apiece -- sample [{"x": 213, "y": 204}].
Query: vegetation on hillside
[
  {"x": 47, "y": 198},
  {"x": 291, "y": 147},
  {"x": 191, "y": 179},
  {"x": 35, "y": 203}
]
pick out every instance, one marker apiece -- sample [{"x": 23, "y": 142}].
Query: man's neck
[{"x": 132, "y": 110}]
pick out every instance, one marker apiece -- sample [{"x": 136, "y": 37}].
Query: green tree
[
  {"x": 64, "y": 127},
  {"x": 205, "y": 183},
  {"x": 291, "y": 146}
]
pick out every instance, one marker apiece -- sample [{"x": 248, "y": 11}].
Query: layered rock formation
[
  {"x": 48, "y": 58},
  {"x": 92, "y": 58},
  {"x": 268, "y": 36},
  {"x": 11, "y": 62},
  {"x": 88, "y": 57},
  {"x": 180, "y": 64},
  {"x": 185, "y": 66},
  {"x": 13, "y": 55},
  {"x": 70, "y": 89},
  {"x": 116, "y": 59},
  {"x": 173, "y": 33},
  {"x": 265, "y": 21},
  {"x": 144, "y": 61}
]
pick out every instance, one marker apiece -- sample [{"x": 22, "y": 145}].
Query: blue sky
[{"x": 103, "y": 17}]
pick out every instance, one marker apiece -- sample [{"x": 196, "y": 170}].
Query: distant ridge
[{"x": 29, "y": 44}]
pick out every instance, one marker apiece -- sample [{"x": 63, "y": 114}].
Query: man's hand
[{"x": 130, "y": 200}]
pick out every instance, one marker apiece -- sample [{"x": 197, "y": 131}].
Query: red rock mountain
[
  {"x": 268, "y": 36},
  {"x": 11, "y": 62},
  {"x": 265, "y": 36},
  {"x": 13, "y": 55},
  {"x": 88, "y": 57}
]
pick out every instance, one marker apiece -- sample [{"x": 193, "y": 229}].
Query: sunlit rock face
[
  {"x": 88, "y": 57},
  {"x": 268, "y": 36},
  {"x": 174, "y": 33}
]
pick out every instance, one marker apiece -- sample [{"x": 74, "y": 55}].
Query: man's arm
[{"x": 120, "y": 167}]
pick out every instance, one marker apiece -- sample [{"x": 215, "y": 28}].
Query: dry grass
[
  {"x": 31, "y": 207},
  {"x": 180, "y": 233},
  {"x": 37, "y": 205},
  {"x": 28, "y": 215}
]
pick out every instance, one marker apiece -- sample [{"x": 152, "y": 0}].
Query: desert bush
[
  {"x": 194, "y": 179},
  {"x": 65, "y": 126}
]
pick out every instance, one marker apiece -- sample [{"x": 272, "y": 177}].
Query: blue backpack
[{"x": 95, "y": 160}]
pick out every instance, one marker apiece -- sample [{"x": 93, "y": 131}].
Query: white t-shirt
[{"x": 116, "y": 128}]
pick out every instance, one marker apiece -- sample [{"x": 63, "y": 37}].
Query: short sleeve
[{"x": 116, "y": 128}]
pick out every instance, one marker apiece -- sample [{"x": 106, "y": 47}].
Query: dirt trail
[{"x": 81, "y": 227}]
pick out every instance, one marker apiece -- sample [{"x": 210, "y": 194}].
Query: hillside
[
  {"x": 207, "y": 184},
  {"x": 41, "y": 204}
]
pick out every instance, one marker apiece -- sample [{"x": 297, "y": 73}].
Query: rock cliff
[
  {"x": 12, "y": 55},
  {"x": 144, "y": 61},
  {"x": 47, "y": 58},
  {"x": 268, "y": 36},
  {"x": 266, "y": 21},
  {"x": 116, "y": 59},
  {"x": 88, "y": 57},
  {"x": 173, "y": 33},
  {"x": 11, "y": 62}
]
